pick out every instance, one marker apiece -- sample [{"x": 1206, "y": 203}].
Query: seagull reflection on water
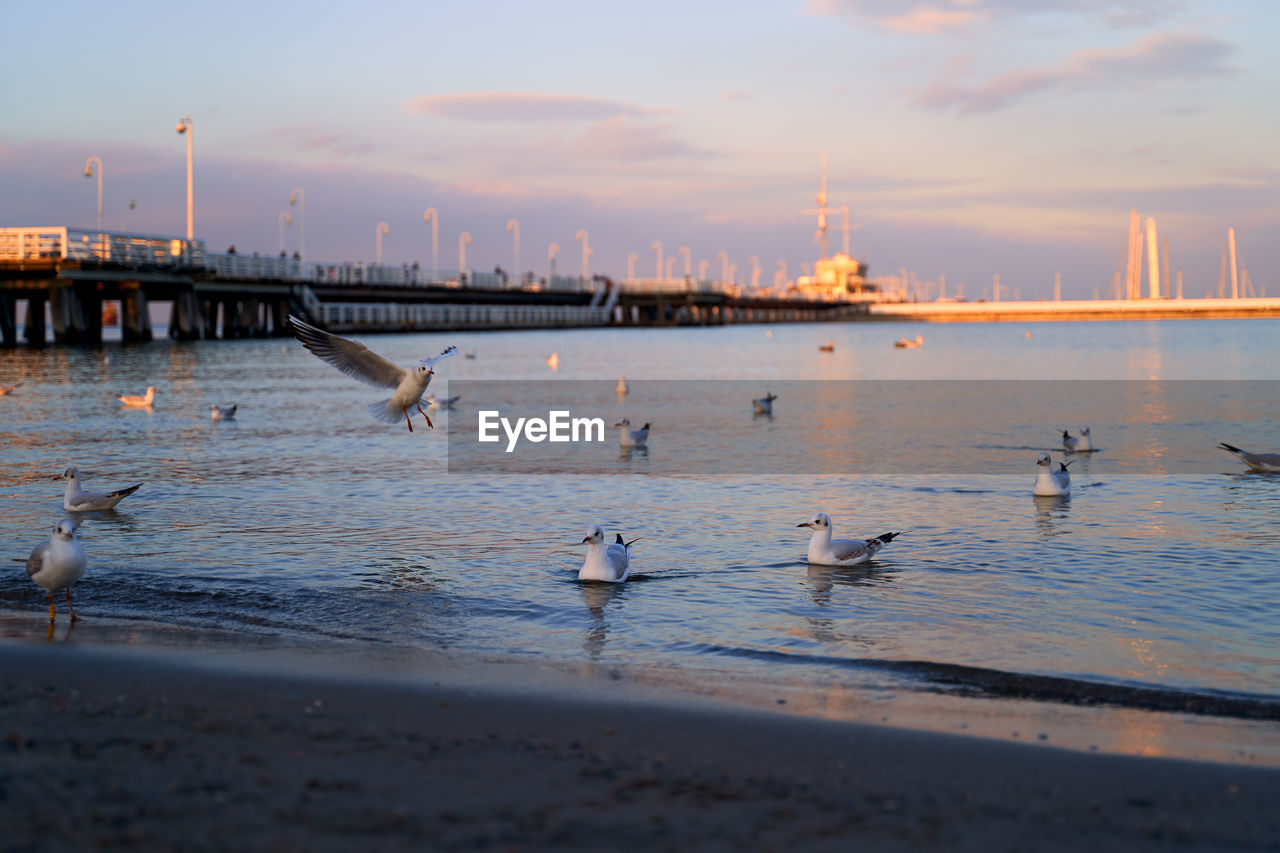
[{"x": 597, "y": 597}]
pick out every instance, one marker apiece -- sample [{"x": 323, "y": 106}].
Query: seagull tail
[
  {"x": 124, "y": 493},
  {"x": 885, "y": 538},
  {"x": 385, "y": 412},
  {"x": 1229, "y": 448}
]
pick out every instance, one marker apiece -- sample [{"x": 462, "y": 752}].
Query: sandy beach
[{"x": 111, "y": 748}]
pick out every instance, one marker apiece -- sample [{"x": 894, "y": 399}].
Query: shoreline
[{"x": 109, "y": 747}]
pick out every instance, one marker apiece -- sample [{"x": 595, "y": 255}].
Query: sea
[{"x": 1140, "y": 614}]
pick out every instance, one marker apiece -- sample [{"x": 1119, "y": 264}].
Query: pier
[{"x": 67, "y": 274}]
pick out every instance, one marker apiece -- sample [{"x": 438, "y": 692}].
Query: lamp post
[
  {"x": 688, "y": 261},
  {"x": 297, "y": 197},
  {"x": 430, "y": 215},
  {"x": 184, "y": 126},
  {"x": 656, "y": 246},
  {"x": 581, "y": 237},
  {"x": 88, "y": 173},
  {"x": 780, "y": 275},
  {"x": 383, "y": 228},
  {"x": 631, "y": 265},
  {"x": 513, "y": 228},
  {"x": 282, "y": 220},
  {"x": 552, "y": 251},
  {"x": 723, "y": 258},
  {"x": 702, "y": 270},
  {"x": 755, "y": 272},
  {"x": 464, "y": 240},
  {"x": 671, "y": 267}
]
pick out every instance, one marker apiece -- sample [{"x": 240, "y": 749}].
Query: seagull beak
[
  {"x": 805, "y": 524},
  {"x": 585, "y": 540}
]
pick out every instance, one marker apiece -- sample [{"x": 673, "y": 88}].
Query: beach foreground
[{"x": 113, "y": 749}]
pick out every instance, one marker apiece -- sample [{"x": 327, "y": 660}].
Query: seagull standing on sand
[
  {"x": 359, "y": 362},
  {"x": 78, "y": 500},
  {"x": 58, "y": 564},
  {"x": 1077, "y": 444},
  {"x": 825, "y": 551},
  {"x": 1264, "y": 463},
  {"x": 1051, "y": 483},
  {"x": 222, "y": 413},
  {"x": 143, "y": 402},
  {"x": 632, "y": 437},
  {"x": 611, "y": 563},
  {"x": 764, "y": 405}
]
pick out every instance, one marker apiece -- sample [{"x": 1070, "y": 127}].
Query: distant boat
[
  {"x": 907, "y": 343},
  {"x": 829, "y": 346}
]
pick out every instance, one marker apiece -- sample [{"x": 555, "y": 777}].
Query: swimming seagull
[
  {"x": 764, "y": 405},
  {"x": 825, "y": 551},
  {"x": 1077, "y": 444},
  {"x": 1051, "y": 483},
  {"x": 611, "y": 563},
  {"x": 1266, "y": 463},
  {"x": 57, "y": 564},
  {"x": 78, "y": 500},
  {"x": 222, "y": 413},
  {"x": 9, "y": 389},
  {"x": 359, "y": 362},
  {"x": 434, "y": 402},
  {"x": 137, "y": 402},
  {"x": 632, "y": 437}
]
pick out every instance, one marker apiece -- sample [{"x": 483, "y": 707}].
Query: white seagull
[
  {"x": 78, "y": 500},
  {"x": 1051, "y": 483},
  {"x": 143, "y": 402},
  {"x": 611, "y": 563},
  {"x": 434, "y": 402},
  {"x": 632, "y": 437},
  {"x": 359, "y": 362},
  {"x": 1266, "y": 463},
  {"x": 825, "y": 551},
  {"x": 764, "y": 405},
  {"x": 1077, "y": 444},
  {"x": 57, "y": 564},
  {"x": 222, "y": 413}
]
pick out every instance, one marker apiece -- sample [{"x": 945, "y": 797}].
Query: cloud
[
  {"x": 525, "y": 107},
  {"x": 623, "y": 139},
  {"x": 312, "y": 137},
  {"x": 1160, "y": 57},
  {"x": 934, "y": 17},
  {"x": 736, "y": 95}
]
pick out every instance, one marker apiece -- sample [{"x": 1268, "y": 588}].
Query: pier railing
[{"x": 81, "y": 244}]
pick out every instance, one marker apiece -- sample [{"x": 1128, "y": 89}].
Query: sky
[{"x": 969, "y": 138}]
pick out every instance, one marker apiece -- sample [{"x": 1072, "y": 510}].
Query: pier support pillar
[
  {"x": 209, "y": 316},
  {"x": 8, "y": 320},
  {"x": 135, "y": 318},
  {"x": 185, "y": 321},
  {"x": 34, "y": 329},
  {"x": 68, "y": 312}
]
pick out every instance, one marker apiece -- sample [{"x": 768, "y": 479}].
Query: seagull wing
[
  {"x": 431, "y": 362},
  {"x": 848, "y": 549},
  {"x": 36, "y": 561},
  {"x": 354, "y": 359}
]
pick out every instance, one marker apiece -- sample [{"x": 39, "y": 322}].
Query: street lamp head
[
  {"x": 182, "y": 126},
  {"x": 88, "y": 171}
]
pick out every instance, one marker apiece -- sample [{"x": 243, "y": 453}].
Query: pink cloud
[
  {"x": 936, "y": 17},
  {"x": 312, "y": 138},
  {"x": 1160, "y": 57},
  {"x": 524, "y": 106}
]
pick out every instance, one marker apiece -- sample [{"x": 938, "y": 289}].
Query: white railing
[
  {"x": 236, "y": 265},
  {"x": 677, "y": 285},
  {"x": 81, "y": 244}
]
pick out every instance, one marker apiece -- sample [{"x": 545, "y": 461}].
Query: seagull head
[
  {"x": 821, "y": 521},
  {"x": 69, "y": 474},
  {"x": 65, "y": 530},
  {"x": 625, "y": 422},
  {"x": 1084, "y": 430},
  {"x": 1043, "y": 459},
  {"x": 1066, "y": 434},
  {"x": 595, "y": 535}
]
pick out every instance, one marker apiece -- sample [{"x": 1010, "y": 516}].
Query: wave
[{"x": 982, "y": 682}]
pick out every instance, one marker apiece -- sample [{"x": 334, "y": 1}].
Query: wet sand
[{"x": 181, "y": 750}]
